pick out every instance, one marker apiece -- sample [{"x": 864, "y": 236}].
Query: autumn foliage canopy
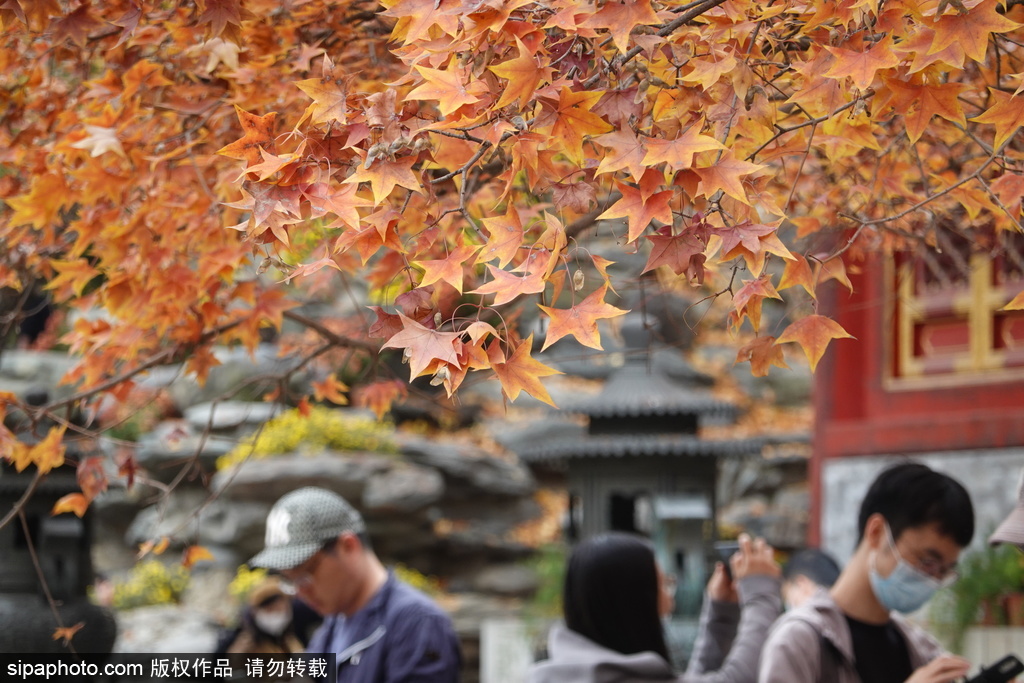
[{"x": 198, "y": 169}]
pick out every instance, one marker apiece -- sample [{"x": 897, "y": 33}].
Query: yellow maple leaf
[{"x": 49, "y": 452}]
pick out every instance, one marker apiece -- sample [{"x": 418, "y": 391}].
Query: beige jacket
[{"x": 793, "y": 651}]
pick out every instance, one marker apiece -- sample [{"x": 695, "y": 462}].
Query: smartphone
[
  {"x": 725, "y": 550},
  {"x": 1003, "y": 671}
]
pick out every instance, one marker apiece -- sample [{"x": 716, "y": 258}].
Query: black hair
[
  {"x": 611, "y": 594},
  {"x": 911, "y": 494},
  {"x": 817, "y": 565}
]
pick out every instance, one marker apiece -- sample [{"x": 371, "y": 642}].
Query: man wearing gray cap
[{"x": 380, "y": 629}]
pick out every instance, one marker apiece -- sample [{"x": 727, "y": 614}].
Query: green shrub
[
  {"x": 549, "y": 564},
  {"x": 986, "y": 577},
  {"x": 245, "y": 581},
  {"x": 428, "y": 584},
  {"x": 151, "y": 583},
  {"x": 323, "y": 428}
]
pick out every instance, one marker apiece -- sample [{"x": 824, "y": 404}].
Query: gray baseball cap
[{"x": 301, "y": 522}]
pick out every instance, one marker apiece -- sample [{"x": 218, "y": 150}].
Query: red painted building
[{"x": 937, "y": 365}]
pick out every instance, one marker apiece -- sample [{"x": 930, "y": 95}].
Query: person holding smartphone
[{"x": 913, "y": 524}]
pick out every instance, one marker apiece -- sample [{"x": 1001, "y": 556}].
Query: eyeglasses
[
  {"x": 302, "y": 576},
  {"x": 944, "y": 574}
]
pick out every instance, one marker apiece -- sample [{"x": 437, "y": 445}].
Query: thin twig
[
  {"x": 18, "y": 506},
  {"x": 42, "y": 579}
]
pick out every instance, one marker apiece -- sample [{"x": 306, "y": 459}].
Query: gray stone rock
[
  {"x": 173, "y": 443},
  {"x": 463, "y": 465},
  {"x": 238, "y": 525},
  {"x": 22, "y": 370},
  {"x": 175, "y": 516},
  {"x": 236, "y": 366},
  {"x": 270, "y": 478},
  {"x": 165, "y": 629},
  {"x": 514, "y": 580},
  {"x": 230, "y": 415},
  {"x": 404, "y": 488}
]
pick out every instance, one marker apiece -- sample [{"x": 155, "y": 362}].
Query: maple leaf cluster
[{"x": 198, "y": 170}]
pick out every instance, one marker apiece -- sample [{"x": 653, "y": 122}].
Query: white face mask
[{"x": 273, "y": 623}]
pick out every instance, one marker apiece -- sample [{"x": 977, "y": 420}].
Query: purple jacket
[{"x": 400, "y": 636}]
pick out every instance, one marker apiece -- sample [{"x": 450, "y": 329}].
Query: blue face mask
[{"x": 907, "y": 588}]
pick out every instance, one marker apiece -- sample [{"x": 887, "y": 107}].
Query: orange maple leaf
[
  {"x": 523, "y": 74},
  {"x": 156, "y": 547},
  {"x": 917, "y": 103},
  {"x": 424, "y": 345},
  {"x": 1009, "y": 187},
  {"x": 42, "y": 205},
  {"x": 574, "y": 121},
  {"x": 813, "y": 334},
  {"x": 1015, "y": 304},
  {"x": 416, "y": 18},
  {"x": 49, "y": 452},
  {"x": 259, "y": 134},
  {"x": 384, "y": 174},
  {"x": 522, "y": 372},
  {"x": 620, "y": 18},
  {"x": 128, "y": 23},
  {"x": 507, "y": 286},
  {"x": 448, "y": 87},
  {"x": 76, "y": 26},
  {"x": 1007, "y": 115},
  {"x": 450, "y": 269},
  {"x": 640, "y": 211},
  {"x": 972, "y": 30},
  {"x": 762, "y": 354},
  {"x": 861, "y": 67},
  {"x": 329, "y": 94},
  {"x": 833, "y": 269},
  {"x": 725, "y": 175},
  {"x": 580, "y": 321},
  {"x": 330, "y": 389},
  {"x": 798, "y": 272},
  {"x": 674, "y": 251},
  {"x": 91, "y": 475},
  {"x": 71, "y": 275},
  {"x": 221, "y": 14},
  {"x": 379, "y": 396},
  {"x": 626, "y": 152},
  {"x": 504, "y": 237},
  {"x": 747, "y": 301},
  {"x": 193, "y": 554},
  {"x": 747, "y": 234},
  {"x": 72, "y": 502},
  {"x": 66, "y": 633},
  {"x": 678, "y": 153}
]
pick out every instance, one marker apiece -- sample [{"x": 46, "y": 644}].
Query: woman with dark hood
[{"x": 615, "y": 596}]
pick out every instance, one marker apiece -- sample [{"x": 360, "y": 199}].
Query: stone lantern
[
  {"x": 62, "y": 546},
  {"x": 640, "y": 465}
]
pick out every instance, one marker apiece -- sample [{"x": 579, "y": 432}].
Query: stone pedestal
[{"x": 27, "y": 625}]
